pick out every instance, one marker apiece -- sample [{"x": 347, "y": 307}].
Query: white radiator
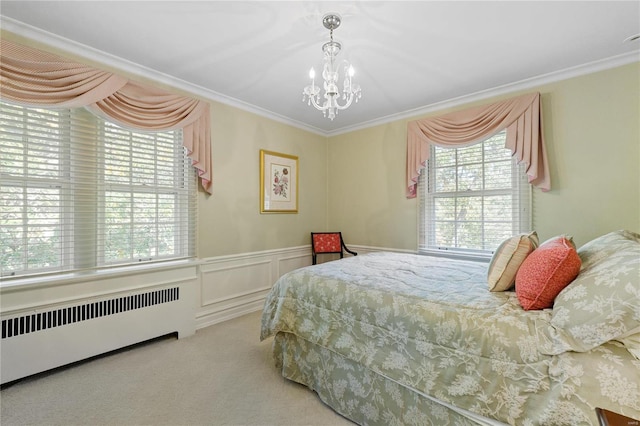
[{"x": 44, "y": 338}]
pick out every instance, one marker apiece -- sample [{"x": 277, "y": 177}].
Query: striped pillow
[{"x": 507, "y": 260}]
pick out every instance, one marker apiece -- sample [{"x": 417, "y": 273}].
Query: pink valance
[
  {"x": 520, "y": 116},
  {"x": 33, "y": 77}
]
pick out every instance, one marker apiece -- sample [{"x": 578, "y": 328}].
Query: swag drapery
[
  {"x": 36, "y": 78},
  {"x": 520, "y": 116}
]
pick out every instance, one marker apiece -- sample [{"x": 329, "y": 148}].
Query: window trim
[
  {"x": 426, "y": 228},
  {"x": 183, "y": 188},
  {"x": 35, "y": 281}
]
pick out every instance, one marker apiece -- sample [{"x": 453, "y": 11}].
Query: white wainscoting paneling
[{"x": 235, "y": 285}]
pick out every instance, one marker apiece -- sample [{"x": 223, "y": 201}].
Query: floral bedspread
[{"x": 431, "y": 324}]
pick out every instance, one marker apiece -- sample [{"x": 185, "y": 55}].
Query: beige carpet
[{"x": 223, "y": 375}]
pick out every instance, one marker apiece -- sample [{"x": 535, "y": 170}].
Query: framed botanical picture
[{"x": 278, "y": 182}]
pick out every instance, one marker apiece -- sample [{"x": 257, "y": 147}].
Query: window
[
  {"x": 77, "y": 192},
  {"x": 472, "y": 198}
]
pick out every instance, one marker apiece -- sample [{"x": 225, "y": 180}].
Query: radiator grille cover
[{"x": 35, "y": 322}]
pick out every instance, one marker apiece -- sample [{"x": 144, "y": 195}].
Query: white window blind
[
  {"x": 80, "y": 193},
  {"x": 471, "y": 199}
]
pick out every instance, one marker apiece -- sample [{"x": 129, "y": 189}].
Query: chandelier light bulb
[{"x": 331, "y": 76}]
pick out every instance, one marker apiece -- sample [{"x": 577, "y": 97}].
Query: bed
[{"x": 401, "y": 339}]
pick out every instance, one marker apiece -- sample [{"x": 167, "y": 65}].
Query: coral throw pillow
[
  {"x": 545, "y": 272},
  {"x": 507, "y": 260}
]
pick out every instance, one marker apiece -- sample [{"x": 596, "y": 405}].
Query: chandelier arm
[
  {"x": 318, "y": 107},
  {"x": 346, "y": 105}
]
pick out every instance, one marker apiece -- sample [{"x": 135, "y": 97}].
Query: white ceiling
[{"x": 407, "y": 55}]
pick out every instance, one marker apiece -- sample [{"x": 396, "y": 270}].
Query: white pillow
[{"x": 507, "y": 260}]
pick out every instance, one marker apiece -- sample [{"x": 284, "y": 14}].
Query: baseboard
[{"x": 220, "y": 315}]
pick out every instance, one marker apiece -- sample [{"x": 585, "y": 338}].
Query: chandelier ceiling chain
[{"x": 331, "y": 75}]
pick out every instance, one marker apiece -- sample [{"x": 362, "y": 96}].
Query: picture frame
[{"x": 278, "y": 182}]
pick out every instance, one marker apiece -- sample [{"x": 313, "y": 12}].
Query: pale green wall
[
  {"x": 592, "y": 134},
  {"x": 592, "y": 126},
  {"x": 229, "y": 220},
  {"x": 366, "y": 178}
]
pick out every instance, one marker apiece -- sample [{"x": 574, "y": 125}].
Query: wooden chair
[{"x": 328, "y": 242}]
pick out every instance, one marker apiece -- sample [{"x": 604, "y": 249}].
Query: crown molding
[
  {"x": 530, "y": 83},
  {"x": 98, "y": 56},
  {"x": 46, "y": 38}
]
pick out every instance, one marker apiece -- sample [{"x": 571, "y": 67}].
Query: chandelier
[{"x": 330, "y": 74}]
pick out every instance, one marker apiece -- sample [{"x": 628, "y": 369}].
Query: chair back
[{"x": 328, "y": 242}]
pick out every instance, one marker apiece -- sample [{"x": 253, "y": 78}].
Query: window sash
[
  {"x": 54, "y": 187},
  {"x": 450, "y": 223}
]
